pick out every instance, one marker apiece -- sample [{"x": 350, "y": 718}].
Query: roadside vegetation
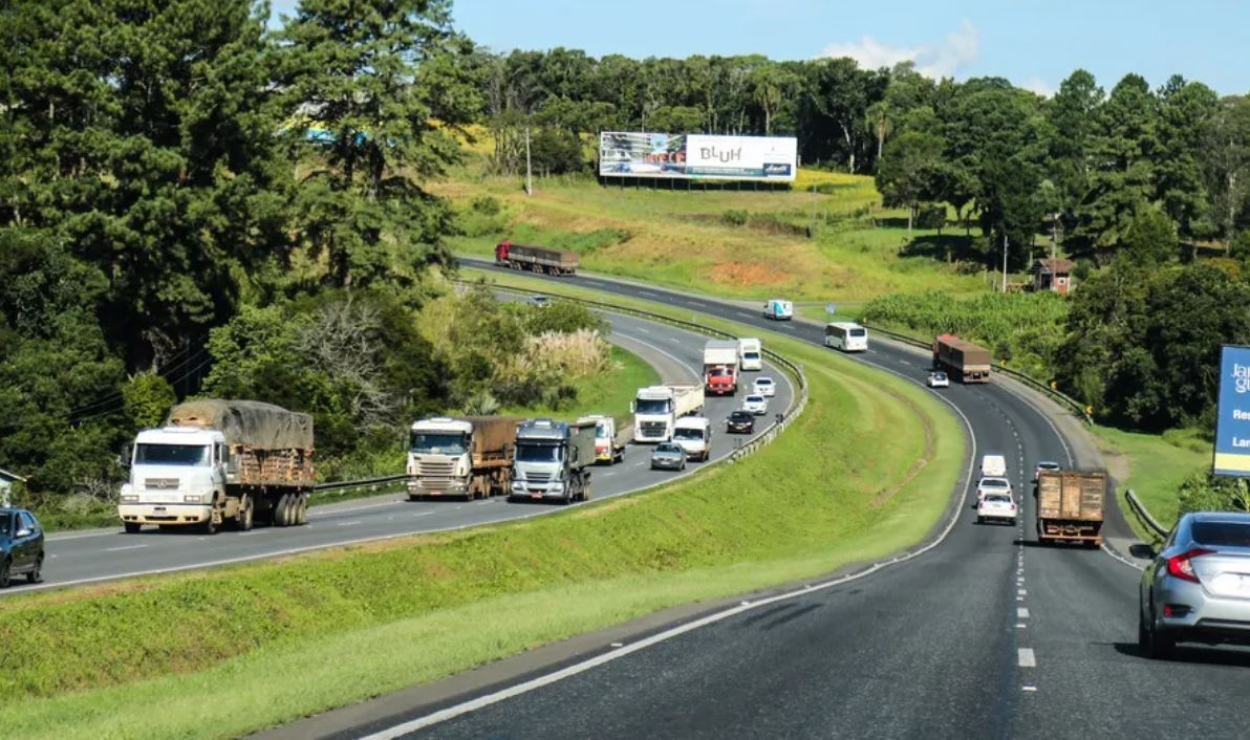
[{"x": 868, "y": 468}]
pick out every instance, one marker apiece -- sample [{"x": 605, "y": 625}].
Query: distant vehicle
[
  {"x": 994, "y": 466},
  {"x": 938, "y": 379},
  {"x": 539, "y": 301},
  {"x": 669, "y": 456},
  {"x": 609, "y": 443},
  {"x": 465, "y": 457},
  {"x": 755, "y": 404},
  {"x": 657, "y": 408},
  {"x": 1045, "y": 466},
  {"x": 846, "y": 336},
  {"x": 543, "y": 260},
  {"x": 694, "y": 435},
  {"x": 720, "y": 367},
  {"x": 965, "y": 361},
  {"x": 992, "y": 484},
  {"x": 996, "y": 507},
  {"x": 1197, "y": 589},
  {"x": 21, "y": 546},
  {"x": 779, "y": 309},
  {"x": 764, "y": 386},
  {"x": 740, "y": 422},
  {"x": 1070, "y": 506},
  {"x": 551, "y": 460},
  {"x": 750, "y": 353}
]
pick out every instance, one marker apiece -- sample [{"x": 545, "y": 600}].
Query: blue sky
[{"x": 1033, "y": 44}]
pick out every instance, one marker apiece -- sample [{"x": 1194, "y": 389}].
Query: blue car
[{"x": 21, "y": 546}]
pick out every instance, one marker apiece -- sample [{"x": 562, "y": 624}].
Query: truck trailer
[
  {"x": 609, "y": 442},
  {"x": 657, "y": 408},
  {"x": 553, "y": 460},
  {"x": 720, "y": 367},
  {"x": 962, "y": 360},
  {"x": 467, "y": 457},
  {"x": 536, "y": 259},
  {"x": 1070, "y": 506},
  {"x": 217, "y": 460}
]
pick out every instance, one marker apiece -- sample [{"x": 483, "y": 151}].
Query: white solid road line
[
  {"x": 1026, "y": 658},
  {"x": 127, "y": 547}
]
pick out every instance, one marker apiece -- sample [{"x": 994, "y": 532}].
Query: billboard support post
[{"x": 1232, "y": 425}]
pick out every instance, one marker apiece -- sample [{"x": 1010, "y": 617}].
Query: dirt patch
[{"x": 745, "y": 275}]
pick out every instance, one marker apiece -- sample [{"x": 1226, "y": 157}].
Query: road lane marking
[
  {"x": 1028, "y": 688},
  {"x": 348, "y": 524},
  {"x": 1022, "y": 592},
  {"x": 127, "y": 547},
  {"x": 1026, "y": 658},
  {"x": 1022, "y": 612}
]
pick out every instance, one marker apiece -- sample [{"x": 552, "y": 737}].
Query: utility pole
[
  {"x": 1054, "y": 244},
  {"x": 529, "y": 177},
  {"x": 1004, "y": 263}
]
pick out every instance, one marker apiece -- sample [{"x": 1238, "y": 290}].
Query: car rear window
[
  {"x": 1228, "y": 534},
  {"x": 998, "y": 498}
]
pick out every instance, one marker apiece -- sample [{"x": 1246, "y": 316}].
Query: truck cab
[
  {"x": 694, "y": 434},
  {"x": 438, "y": 457},
  {"x": 550, "y": 461},
  {"x": 176, "y": 473},
  {"x": 608, "y": 447}
]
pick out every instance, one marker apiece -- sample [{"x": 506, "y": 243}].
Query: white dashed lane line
[{"x": 1026, "y": 658}]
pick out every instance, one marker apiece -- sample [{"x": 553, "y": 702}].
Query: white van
[
  {"x": 749, "y": 354},
  {"x": 993, "y": 466},
  {"x": 694, "y": 434}
]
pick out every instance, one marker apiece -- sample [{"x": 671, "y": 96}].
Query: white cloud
[
  {"x": 1039, "y": 86},
  {"x": 936, "y": 60}
]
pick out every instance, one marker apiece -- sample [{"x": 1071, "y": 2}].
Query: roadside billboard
[
  {"x": 1232, "y": 425},
  {"x": 698, "y": 156}
]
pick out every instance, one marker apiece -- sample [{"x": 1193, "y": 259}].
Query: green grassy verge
[
  {"x": 866, "y": 470},
  {"x": 609, "y": 393},
  {"x": 1156, "y": 465}
]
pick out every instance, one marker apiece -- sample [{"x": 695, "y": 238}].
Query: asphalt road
[
  {"x": 101, "y": 555},
  {"x": 985, "y": 635}
]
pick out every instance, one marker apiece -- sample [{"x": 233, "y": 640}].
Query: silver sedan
[{"x": 1197, "y": 589}]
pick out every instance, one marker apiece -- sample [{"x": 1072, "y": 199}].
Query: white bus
[{"x": 846, "y": 336}]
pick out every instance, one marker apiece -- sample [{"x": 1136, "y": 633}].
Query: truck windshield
[
  {"x": 693, "y": 434},
  {"x": 647, "y": 406},
  {"x": 601, "y": 430},
  {"x": 438, "y": 443},
  {"x": 750, "y": 355},
  {"x": 150, "y": 454},
  {"x": 857, "y": 333},
  {"x": 537, "y": 453}
]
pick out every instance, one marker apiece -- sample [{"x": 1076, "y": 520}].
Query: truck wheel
[
  {"x": 210, "y": 526},
  {"x": 303, "y": 509},
  {"x": 282, "y": 513},
  {"x": 132, "y": 527},
  {"x": 244, "y": 519}
]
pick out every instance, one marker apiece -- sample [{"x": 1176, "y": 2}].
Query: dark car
[
  {"x": 21, "y": 546},
  {"x": 740, "y": 422}
]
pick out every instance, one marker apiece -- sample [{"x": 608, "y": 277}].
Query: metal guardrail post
[{"x": 1143, "y": 514}]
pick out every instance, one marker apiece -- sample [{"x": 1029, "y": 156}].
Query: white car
[
  {"x": 996, "y": 507},
  {"x": 939, "y": 380},
  {"x": 755, "y": 404},
  {"x": 994, "y": 466},
  {"x": 764, "y": 387},
  {"x": 991, "y": 485}
]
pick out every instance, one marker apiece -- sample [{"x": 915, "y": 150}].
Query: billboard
[
  {"x": 698, "y": 156},
  {"x": 1232, "y": 425}
]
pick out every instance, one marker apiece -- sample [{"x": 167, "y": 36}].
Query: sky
[{"x": 1033, "y": 44}]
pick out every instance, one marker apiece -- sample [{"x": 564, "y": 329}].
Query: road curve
[
  {"x": 79, "y": 558},
  {"x": 985, "y": 635}
]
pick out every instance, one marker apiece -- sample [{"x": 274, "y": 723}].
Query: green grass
[
  {"x": 1157, "y": 464},
  {"x": 866, "y": 470},
  {"x": 609, "y": 393},
  {"x": 687, "y": 240}
]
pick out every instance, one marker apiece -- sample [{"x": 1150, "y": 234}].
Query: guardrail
[
  {"x": 780, "y": 422},
  {"x": 1143, "y": 515},
  {"x": 1056, "y": 395}
]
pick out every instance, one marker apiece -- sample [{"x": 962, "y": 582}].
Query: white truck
[
  {"x": 720, "y": 366},
  {"x": 552, "y": 460},
  {"x": 751, "y": 353},
  {"x": 468, "y": 457},
  {"x": 609, "y": 443},
  {"x": 220, "y": 460},
  {"x": 694, "y": 435},
  {"x": 657, "y": 408}
]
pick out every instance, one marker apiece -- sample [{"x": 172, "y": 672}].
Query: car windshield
[
  {"x": 646, "y": 406},
  {"x": 939, "y": 376},
  {"x": 438, "y": 443},
  {"x": 529, "y": 452},
  {"x": 1225, "y": 534},
  {"x": 1047, "y": 466},
  {"x": 740, "y": 416},
  {"x": 688, "y": 434},
  {"x": 998, "y": 498},
  {"x": 755, "y": 399},
  {"x": 668, "y": 447},
  {"x": 993, "y": 483},
  {"x": 153, "y": 454},
  {"x": 764, "y": 382}
]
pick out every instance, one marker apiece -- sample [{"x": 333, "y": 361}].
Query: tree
[
  {"x": 909, "y": 171},
  {"x": 377, "y": 75},
  {"x": 1227, "y": 162},
  {"x": 771, "y": 85},
  {"x": 1185, "y": 113},
  {"x": 1072, "y": 117}
]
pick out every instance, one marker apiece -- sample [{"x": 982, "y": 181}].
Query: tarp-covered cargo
[{"x": 252, "y": 424}]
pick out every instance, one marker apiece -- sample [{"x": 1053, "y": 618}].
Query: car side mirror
[{"x": 23, "y": 533}]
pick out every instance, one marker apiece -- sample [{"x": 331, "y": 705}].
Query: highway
[
  {"x": 101, "y": 555},
  {"x": 985, "y": 635}
]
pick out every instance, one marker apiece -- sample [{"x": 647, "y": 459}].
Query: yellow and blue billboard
[{"x": 1232, "y": 425}]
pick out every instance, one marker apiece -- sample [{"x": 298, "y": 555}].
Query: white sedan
[
  {"x": 997, "y": 507},
  {"x": 755, "y": 404},
  {"x": 939, "y": 380},
  {"x": 764, "y": 387}
]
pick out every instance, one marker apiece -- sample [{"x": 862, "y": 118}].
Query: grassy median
[{"x": 866, "y": 470}]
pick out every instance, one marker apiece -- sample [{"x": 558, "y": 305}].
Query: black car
[
  {"x": 740, "y": 422},
  {"x": 21, "y": 546}
]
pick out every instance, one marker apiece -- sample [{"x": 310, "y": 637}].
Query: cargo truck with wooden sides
[
  {"x": 543, "y": 260},
  {"x": 216, "y": 461},
  {"x": 553, "y": 460},
  {"x": 962, "y": 360},
  {"x": 1070, "y": 505},
  {"x": 466, "y": 457}
]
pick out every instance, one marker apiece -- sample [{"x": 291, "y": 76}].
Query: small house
[
  {"x": 1053, "y": 274},
  {"x": 7, "y": 480}
]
